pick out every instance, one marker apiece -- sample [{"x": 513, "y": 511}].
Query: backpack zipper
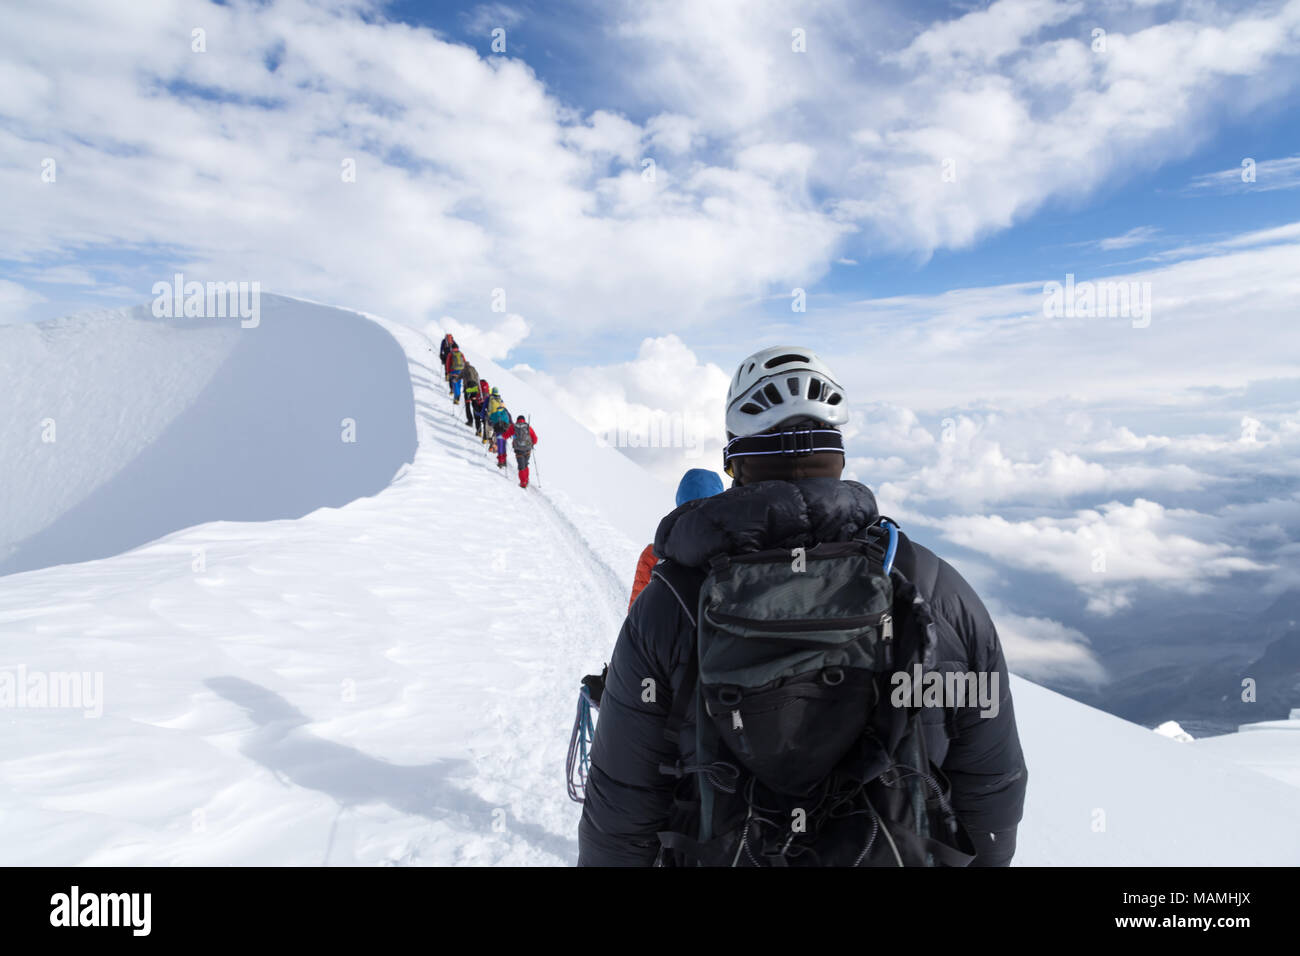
[
  {"x": 806, "y": 624},
  {"x": 738, "y": 728}
]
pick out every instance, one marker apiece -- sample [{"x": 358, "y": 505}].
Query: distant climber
[
  {"x": 448, "y": 343},
  {"x": 501, "y": 449},
  {"x": 455, "y": 369},
  {"x": 480, "y": 410},
  {"x": 470, "y": 383},
  {"x": 523, "y": 438},
  {"x": 498, "y": 417},
  {"x": 696, "y": 483}
]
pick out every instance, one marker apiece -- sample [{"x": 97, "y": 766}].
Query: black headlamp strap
[{"x": 802, "y": 441}]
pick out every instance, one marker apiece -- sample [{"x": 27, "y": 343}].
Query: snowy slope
[
  {"x": 1161, "y": 802},
  {"x": 392, "y": 680},
  {"x": 1270, "y": 746}
]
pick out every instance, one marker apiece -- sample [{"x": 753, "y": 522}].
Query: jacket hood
[
  {"x": 698, "y": 483},
  {"x": 769, "y": 514}
]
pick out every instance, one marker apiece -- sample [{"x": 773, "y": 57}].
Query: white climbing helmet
[{"x": 781, "y": 383}]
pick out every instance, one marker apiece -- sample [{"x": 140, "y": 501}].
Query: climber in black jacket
[{"x": 785, "y": 497}]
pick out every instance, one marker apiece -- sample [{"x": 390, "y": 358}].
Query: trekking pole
[{"x": 536, "y": 466}]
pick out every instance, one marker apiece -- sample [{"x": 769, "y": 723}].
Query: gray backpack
[
  {"x": 523, "y": 440},
  {"x": 790, "y": 688}
]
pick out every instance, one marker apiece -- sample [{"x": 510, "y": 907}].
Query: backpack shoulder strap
[{"x": 685, "y": 584}]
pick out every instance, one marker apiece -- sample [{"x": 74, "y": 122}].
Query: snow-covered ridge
[
  {"x": 392, "y": 681},
  {"x": 121, "y": 428},
  {"x": 1291, "y": 723},
  {"x": 1271, "y": 747}
]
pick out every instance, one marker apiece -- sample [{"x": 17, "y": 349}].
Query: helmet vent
[
  {"x": 783, "y": 360},
  {"x": 773, "y": 394},
  {"x": 835, "y": 399},
  {"x": 793, "y": 385},
  {"x": 749, "y": 408},
  {"x": 815, "y": 388}
]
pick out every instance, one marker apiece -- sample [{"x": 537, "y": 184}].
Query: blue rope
[{"x": 578, "y": 763}]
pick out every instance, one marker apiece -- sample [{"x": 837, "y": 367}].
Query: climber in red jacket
[{"x": 523, "y": 438}]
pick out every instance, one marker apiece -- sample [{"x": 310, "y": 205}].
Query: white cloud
[
  {"x": 1110, "y": 601},
  {"x": 62, "y": 275},
  {"x": 663, "y": 409},
  {"x": 1047, "y": 651},
  {"x": 493, "y": 343},
  {"x": 1116, "y": 544},
  {"x": 15, "y": 300},
  {"x": 968, "y": 468},
  {"x": 606, "y": 133},
  {"x": 985, "y": 36},
  {"x": 486, "y": 17},
  {"x": 777, "y": 159},
  {"x": 1283, "y": 235},
  {"x": 1137, "y": 236},
  {"x": 1252, "y": 437},
  {"x": 1269, "y": 175},
  {"x": 673, "y": 132},
  {"x": 1028, "y": 114},
  {"x": 995, "y": 345}
]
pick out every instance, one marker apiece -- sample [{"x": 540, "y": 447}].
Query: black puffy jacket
[{"x": 628, "y": 799}]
